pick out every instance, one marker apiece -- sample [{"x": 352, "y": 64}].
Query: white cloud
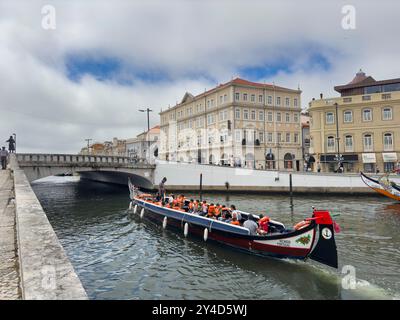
[{"x": 191, "y": 42}]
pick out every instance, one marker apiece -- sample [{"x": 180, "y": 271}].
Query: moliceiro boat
[
  {"x": 383, "y": 186},
  {"x": 312, "y": 238}
]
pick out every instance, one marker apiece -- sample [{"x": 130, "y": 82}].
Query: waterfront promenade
[
  {"x": 9, "y": 270},
  {"x": 33, "y": 263}
]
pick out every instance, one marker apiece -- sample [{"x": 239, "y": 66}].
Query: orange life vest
[
  {"x": 236, "y": 223},
  {"x": 263, "y": 223}
]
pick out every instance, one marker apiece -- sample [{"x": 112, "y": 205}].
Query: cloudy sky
[{"x": 104, "y": 60}]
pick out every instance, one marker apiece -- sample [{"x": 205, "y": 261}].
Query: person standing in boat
[{"x": 161, "y": 188}]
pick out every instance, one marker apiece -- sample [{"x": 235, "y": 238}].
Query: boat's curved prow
[
  {"x": 324, "y": 250},
  {"x": 388, "y": 190}
]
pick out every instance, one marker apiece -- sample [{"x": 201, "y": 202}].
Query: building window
[
  {"x": 348, "y": 116},
  {"x": 221, "y": 99},
  {"x": 279, "y": 137},
  {"x": 261, "y": 136},
  {"x": 278, "y": 101},
  {"x": 331, "y": 144},
  {"x": 287, "y": 116},
  {"x": 330, "y": 119},
  {"x": 237, "y": 113},
  {"x": 237, "y": 135},
  {"x": 237, "y": 96},
  {"x": 278, "y": 117},
  {"x": 246, "y": 114},
  {"x": 368, "y": 142},
  {"x": 253, "y": 98},
  {"x": 270, "y": 137},
  {"x": 367, "y": 115},
  {"x": 244, "y": 96},
  {"x": 253, "y": 115},
  {"x": 296, "y": 138},
  {"x": 269, "y": 101},
  {"x": 388, "y": 142},
  {"x": 261, "y": 115},
  {"x": 270, "y": 119},
  {"x": 287, "y": 102},
  {"x": 260, "y": 98},
  {"x": 225, "y": 97},
  {"x": 348, "y": 140},
  {"x": 347, "y": 100},
  {"x": 295, "y": 117},
  {"x": 295, "y": 102},
  {"x": 287, "y": 137},
  {"x": 366, "y": 98},
  {"x": 387, "y": 113}
]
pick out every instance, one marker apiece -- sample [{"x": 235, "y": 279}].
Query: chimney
[{"x": 321, "y": 95}]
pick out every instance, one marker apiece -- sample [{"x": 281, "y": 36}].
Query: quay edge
[{"x": 45, "y": 270}]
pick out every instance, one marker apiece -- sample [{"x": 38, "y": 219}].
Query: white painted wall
[{"x": 184, "y": 174}]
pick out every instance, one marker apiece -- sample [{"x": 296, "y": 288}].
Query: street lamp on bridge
[{"x": 148, "y": 110}]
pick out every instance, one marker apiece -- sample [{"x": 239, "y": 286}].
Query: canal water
[{"x": 118, "y": 256}]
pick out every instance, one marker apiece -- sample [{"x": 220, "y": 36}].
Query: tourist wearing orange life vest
[
  {"x": 234, "y": 219},
  {"x": 263, "y": 223},
  {"x": 211, "y": 211}
]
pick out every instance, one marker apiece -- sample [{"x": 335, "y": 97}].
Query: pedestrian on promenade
[
  {"x": 11, "y": 144},
  {"x": 3, "y": 157},
  {"x": 318, "y": 167}
]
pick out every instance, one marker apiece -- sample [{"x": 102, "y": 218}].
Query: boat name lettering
[{"x": 283, "y": 243}]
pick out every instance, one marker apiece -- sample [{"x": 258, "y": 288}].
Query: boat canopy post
[
  {"x": 291, "y": 190},
  {"x": 201, "y": 187}
]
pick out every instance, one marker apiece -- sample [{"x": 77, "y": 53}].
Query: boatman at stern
[{"x": 161, "y": 188}]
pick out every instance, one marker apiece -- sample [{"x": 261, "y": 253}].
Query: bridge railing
[{"x": 75, "y": 158}]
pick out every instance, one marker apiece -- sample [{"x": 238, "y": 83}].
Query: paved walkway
[{"x": 9, "y": 275}]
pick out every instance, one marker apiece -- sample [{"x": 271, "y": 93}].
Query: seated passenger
[
  {"x": 228, "y": 216},
  {"x": 204, "y": 208},
  {"x": 191, "y": 206},
  {"x": 233, "y": 209},
  {"x": 181, "y": 201},
  {"x": 211, "y": 211},
  {"x": 263, "y": 223},
  {"x": 196, "y": 206},
  {"x": 251, "y": 225},
  {"x": 235, "y": 220},
  {"x": 217, "y": 211}
]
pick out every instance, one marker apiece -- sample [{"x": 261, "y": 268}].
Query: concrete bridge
[{"x": 109, "y": 169}]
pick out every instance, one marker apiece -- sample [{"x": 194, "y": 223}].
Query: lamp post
[
  {"x": 88, "y": 145},
  {"x": 15, "y": 142},
  {"x": 148, "y": 110}
]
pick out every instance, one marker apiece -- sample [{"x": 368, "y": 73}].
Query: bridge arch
[{"x": 108, "y": 169}]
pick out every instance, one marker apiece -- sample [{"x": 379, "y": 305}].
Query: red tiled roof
[{"x": 241, "y": 82}]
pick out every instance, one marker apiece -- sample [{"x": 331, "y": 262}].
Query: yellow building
[
  {"x": 367, "y": 117},
  {"x": 239, "y": 123}
]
